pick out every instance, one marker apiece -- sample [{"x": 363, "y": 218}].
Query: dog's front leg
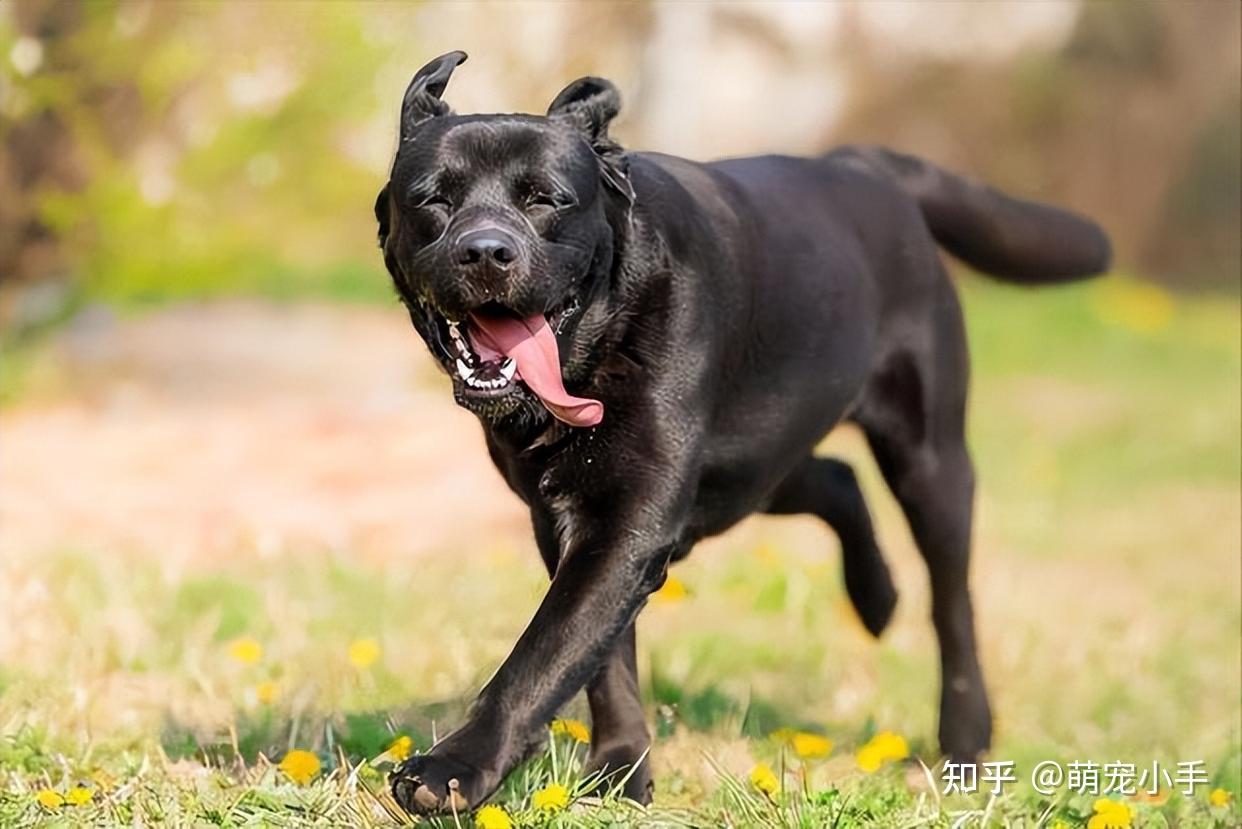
[{"x": 597, "y": 591}]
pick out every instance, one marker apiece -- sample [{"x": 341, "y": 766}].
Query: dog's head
[{"x": 498, "y": 231}]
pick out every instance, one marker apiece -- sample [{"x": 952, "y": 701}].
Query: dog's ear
[
  {"x": 381, "y": 215},
  {"x": 422, "y": 96},
  {"x": 589, "y": 105}
]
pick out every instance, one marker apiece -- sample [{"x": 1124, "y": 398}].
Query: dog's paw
[
  {"x": 870, "y": 587},
  {"x": 624, "y": 766},
  {"x": 428, "y": 784}
]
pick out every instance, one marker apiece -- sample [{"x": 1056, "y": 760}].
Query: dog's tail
[{"x": 1015, "y": 240}]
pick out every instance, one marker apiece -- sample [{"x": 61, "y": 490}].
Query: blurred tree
[
  {"x": 37, "y": 151},
  {"x": 156, "y": 150}
]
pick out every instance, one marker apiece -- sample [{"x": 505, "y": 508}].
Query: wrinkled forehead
[{"x": 462, "y": 149}]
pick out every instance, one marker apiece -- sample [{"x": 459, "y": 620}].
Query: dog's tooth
[
  {"x": 464, "y": 370},
  {"x": 508, "y": 369}
]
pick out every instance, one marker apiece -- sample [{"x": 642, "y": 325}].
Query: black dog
[{"x": 714, "y": 322}]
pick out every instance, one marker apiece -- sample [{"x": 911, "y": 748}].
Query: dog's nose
[{"x": 489, "y": 245}]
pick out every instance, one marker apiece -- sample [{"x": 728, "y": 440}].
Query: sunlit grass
[{"x": 176, "y": 728}]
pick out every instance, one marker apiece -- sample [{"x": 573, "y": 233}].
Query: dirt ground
[{"x": 240, "y": 428}]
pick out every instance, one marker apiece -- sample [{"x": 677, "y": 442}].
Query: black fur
[{"x": 728, "y": 315}]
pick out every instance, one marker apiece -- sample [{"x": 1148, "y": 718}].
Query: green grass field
[{"x": 1105, "y": 425}]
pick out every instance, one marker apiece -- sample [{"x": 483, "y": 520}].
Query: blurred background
[
  {"x": 215, "y": 421},
  {"x": 165, "y": 150}
]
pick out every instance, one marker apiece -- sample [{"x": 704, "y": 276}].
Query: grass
[{"x": 1105, "y": 422}]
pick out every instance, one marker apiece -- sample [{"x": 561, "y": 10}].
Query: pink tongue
[{"x": 532, "y": 345}]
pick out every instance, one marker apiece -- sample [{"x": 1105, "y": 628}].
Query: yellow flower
[
  {"x": 893, "y": 746},
  {"x": 399, "y": 749},
  {"x": 79, "y": 795},
  {"x": 266, "y": 692},
  {"x": 246, "y": 650},
  {"x": 1142, "y": 307},
  {"x": 880, "y": 749},
  {"x": 673, "y": 590},
  {"x": 363, "y": 653},
  {"x": 49, "y": 799},
  {"x": 768, "y": 554},
  {"x": 572, "y": 728},
  {"x": 492, "y": 817},
  {"x": 551, "y": 798},
  {"x": 1058, "y": 824},
  {"x": 810, "y": 746},
  {"x": 1110, "y": 814},
  {"x": 868, "y": 759},
  {"x": 764, "y": 779},
  {"x": 1219, "y": 797},
  {"x": 300, "y": 766}
]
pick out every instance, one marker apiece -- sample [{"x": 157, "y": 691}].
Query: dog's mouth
[{"x": 494, "y": 349}]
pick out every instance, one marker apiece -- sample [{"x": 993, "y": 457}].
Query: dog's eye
[
  {"x": 434, "y": 201},
  {"x": 548, "y": 201}
]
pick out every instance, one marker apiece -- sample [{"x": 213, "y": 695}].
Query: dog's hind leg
[
  {"x": 827, "y": 488},
  {"x": 620, "y": 739},
  {"x": 913, "y": 412}
]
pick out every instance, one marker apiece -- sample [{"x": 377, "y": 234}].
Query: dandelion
[
  {"x": 363, "y": 653},
  {"x": 673, "y": 590},
  {"x": 492, "y": 817},
  {"x": 1219, "y": 797},
  {"x": 551, "y": 798},
  {"x": 300, "y": 766},
  {"x": 868, "y": 759},
  {"x": 880, "y": 749},
  {"x": 49, "y": 799},
  {"x": 768, "y": 555},
  {"x": 246, "y": 650},
  {"x": 810, "y": 746},
  {"x": 266, "y": 692},
  {"x": 1140, "y": 307},
  {"x": 572, "y": 728},
  {"x": 1110, "y": 814},
  {"x": 764, "y": 779},
  {"x": 400, "y": 748},
  {"x": 79, "y": 795}
]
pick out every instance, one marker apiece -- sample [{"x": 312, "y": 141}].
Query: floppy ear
[
  {"x": 422, "y": 96},
  {"x": 589, "y": 105},
  {"x": 381, "y": 214}
]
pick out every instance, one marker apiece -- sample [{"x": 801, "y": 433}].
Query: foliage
[{"x": 214, "y": 158}]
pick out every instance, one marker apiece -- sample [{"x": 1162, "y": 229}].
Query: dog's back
[{"x": 1017, "y": 240}]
